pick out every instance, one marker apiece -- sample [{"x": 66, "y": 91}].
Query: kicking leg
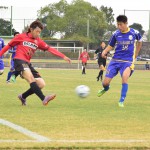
[{"x": 125, "y": 77}]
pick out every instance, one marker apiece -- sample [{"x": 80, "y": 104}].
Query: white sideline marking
[
  {"x": 24, "y": 131},
  {"x": 100, "y": 141},
  {"x": 39, "y": 138}
]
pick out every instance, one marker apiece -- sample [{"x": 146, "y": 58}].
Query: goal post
[{"x": 75, "y": 51}]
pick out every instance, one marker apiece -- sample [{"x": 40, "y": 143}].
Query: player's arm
[
  {"x": 138, "y": 48},
  {"x": 111, "y": 44},
  {"x": 12, "y": 43},
  {"x": 95, "y": 54},
  {"x": 106, "y": 51},
  {"x": 43, "y": 46},
  {"x": 5, "y": 49}
]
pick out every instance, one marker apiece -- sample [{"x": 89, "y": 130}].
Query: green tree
[
  {"x": 109, "y": 16},
  {"x": 5, "y": 28},
  {"x": 138, "y": 27},
  {"x": 71, "y": 20}
]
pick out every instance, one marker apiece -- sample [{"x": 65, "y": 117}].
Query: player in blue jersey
[
  {"x": 127, "y": 43},
  {"x": 1, "y": 58},
  {"x": 12, "y": 51}
]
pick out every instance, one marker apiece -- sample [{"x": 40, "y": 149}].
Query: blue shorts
[
  {"x": 116, "y": 66},
  {"x": 1, "y": 64}
]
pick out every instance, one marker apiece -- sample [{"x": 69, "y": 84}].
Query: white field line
[
  {"x": 101, "y": 141},
  {"x": 39, "y": 138},
  {"x": 24, "y": 131}
]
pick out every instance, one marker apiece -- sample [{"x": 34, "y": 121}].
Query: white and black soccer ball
[{"x": 82, "y": 91}]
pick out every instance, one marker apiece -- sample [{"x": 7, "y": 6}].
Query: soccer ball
[{"x": 82, "y": 91}]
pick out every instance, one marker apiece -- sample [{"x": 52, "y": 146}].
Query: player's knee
[
  {"x": 1, "y": 72},
  {"x": 40, "y": 82}
]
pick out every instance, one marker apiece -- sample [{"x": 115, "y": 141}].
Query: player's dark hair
[
  {"x": 16, "y": 33},
  {"x": 35, "y": 24},
  {"x": 122, "y": 18}
]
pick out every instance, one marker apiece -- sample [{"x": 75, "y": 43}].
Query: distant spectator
[{"x": 147, "y": 66}]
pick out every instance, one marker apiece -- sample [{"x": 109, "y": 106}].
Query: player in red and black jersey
[
  {"x": 27, "y": 43},
  {"x": 84, "y": 56}
]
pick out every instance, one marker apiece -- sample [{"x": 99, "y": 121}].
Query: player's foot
[
  {"x": 8, "y": 81},
  {"x": 101, "y": 92},
  {"x": 97, "y": 78},
  {"x": 121, "y": 104},
  {"x": 48, "y": 98},
  {"x": 23, "y": 101},
  {"x": 13, "y": 78}
]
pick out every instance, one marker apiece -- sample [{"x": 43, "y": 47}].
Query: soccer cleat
[
  {"x": 48, "y": 98},
  {"x": 8, "y": 81},
  {"x": 101, "y": 92},
  {"x": 23, "y": 101},
  {"x": 97, "y": 78},
  {"x": 121, "y": 104},
  {"x": 13, "y": 78}
]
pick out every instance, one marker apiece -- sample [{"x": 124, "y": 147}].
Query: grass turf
[{"x": 72, "y": 118}]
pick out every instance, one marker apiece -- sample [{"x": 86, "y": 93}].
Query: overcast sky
[{"x": 27, "y": 9}]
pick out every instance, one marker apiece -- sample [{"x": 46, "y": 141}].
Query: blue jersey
[
  {"x": 13, "y": 51},
  {"x": 1, "y": 45},
  {"x": 125, "y": 44}
]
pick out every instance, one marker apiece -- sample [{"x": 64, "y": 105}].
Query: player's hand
[
  {"x": 67, "y": 59},
  {"x": 104, "y": 54}
]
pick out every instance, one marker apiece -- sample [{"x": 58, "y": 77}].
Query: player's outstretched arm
[
  {"x": 59, "y": 54},
  {"x": 138, "y": 48},
  {"x": 67, "y": 59}
]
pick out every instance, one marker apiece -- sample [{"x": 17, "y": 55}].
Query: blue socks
[
  {"x": 123, "y": 92},
  {"x": 106, "y": 88},
  {"x": 9, "y": 75}
]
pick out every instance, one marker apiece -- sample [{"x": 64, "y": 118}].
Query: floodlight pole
[
  {"x": 11, "y": 22},
  {"x": 88, "y": 25},
  {"x": 149, "y": 20}
]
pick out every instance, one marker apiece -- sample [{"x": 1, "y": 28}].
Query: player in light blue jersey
[
  {"x": 127, "y": 43},
  {"x": 12, "y": 52},
  {"x": 1, "y": 58}
]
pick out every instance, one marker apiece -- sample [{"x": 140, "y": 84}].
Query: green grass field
[{"x": 69, "y": 117}]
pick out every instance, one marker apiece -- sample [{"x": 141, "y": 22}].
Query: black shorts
[
  {"x": 21, "y": 65},
  {"x": 102, "y": 62},
  {"x": 84, "y": 63}
]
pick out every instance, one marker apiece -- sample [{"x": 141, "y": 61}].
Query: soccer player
[
  {"x": 1, "y": 58},
  {"x": 12, "y": 51},
  {"x": 127, "y": 43},
  {"x": 27, "y": 43},
  {"x": 101, "y": 61},
  {"x": 84, "y": 56}
]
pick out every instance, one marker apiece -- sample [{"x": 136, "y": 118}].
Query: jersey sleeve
[
  {"x": 17, "y": 39},
  {"x": 138, "y": 36},
  {"x": 112, "y": 40},
  {"x": 43, "y": 46}
]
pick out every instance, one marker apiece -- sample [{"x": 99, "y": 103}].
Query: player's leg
[
  {"x": 30, "y": 74},
  {"x": 102, "y": 69},
  {"x": 39, "y": 81},
  {"x": 112, "y": 71},
  {"x": 106, "y": 83},
  {"x": 125, "y": 76},
  {"x": 83, "y": 68},
  {"x": 1, "y": 66}
]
